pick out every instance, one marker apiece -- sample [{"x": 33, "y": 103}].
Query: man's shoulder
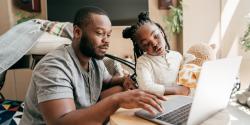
[
  {"x": 59, "y": 57},
  {"x": 60, "y": 53}
]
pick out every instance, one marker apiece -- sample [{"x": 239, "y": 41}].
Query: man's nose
[{"x": 106, "y": 39}]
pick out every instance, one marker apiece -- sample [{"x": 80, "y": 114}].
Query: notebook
[{"x": 212, "y": 94}]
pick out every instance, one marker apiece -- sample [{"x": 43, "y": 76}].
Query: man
[{"x": 66, "y": 84}]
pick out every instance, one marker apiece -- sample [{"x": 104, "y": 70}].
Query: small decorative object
[
  {"x": 196, "y": 55},
  {"x": 243, "y": 97},
  {"x": 28, "y": 5},
  {"x": 237, "y": 85},
  {"x": 164, "y": 4}
]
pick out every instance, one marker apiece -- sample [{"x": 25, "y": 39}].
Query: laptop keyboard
[{"x": 178, "y": 116}]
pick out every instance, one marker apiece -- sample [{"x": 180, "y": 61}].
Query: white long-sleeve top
[{"x": 154, "y": 73}]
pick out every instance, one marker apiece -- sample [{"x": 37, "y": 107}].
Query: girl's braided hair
[{"x": 130, "y": 32}]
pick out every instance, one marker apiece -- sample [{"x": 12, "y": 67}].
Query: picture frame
[{"x": 164, "y": 4}]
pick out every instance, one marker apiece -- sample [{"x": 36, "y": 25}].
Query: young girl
[{"x": 156, "y": 67}]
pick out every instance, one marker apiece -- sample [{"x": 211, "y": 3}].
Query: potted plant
[
  {"x": 25, "y": 17},
  {"x": 243, "y": 96},
  {"x": 174, "y": 20},
  {"x": 174, "y": 23},
  {"x": 245, "y": 40}
]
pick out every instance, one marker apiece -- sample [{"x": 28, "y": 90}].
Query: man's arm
[
  {"x": 64, "y": 112},
  {"x": 126, "y": 82},
  {"x": 117, "y": 80},
  {"x": 110, "y": 91}
]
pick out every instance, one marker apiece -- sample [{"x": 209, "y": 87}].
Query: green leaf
[
  {"x": 245, "y": 40},
  {"x": 174, "y": 20}
]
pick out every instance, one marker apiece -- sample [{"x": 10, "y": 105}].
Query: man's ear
[{"x": 77, "y": 32}]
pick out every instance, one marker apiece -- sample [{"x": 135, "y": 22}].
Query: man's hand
[
  {"x": 140, "y": 99},
  {"x": 128, "y": 83}
]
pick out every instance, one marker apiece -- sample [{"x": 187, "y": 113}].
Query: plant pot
[{"x": 174, "y": 3}]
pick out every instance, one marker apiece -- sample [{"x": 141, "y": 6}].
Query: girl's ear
[
  {"x": 77, "y": 32},
  {"x": 162, "y": 33}
]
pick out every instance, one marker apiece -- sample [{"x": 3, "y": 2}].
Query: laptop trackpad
[{"x": 171, "y": 104}]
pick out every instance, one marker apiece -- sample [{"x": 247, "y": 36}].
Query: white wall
[
  {"x": 201, "y": 22},
  {"x": 221, "y": 22},
  {"x": 120, "y": 46},
  {"x": 5, "y": 15},
  {"x": 233, "y": 26}
]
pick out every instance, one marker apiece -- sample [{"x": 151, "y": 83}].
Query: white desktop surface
[{"x": 234, "y": 114}]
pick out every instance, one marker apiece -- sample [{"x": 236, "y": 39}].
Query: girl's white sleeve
[{"x": 145, "y": 79}]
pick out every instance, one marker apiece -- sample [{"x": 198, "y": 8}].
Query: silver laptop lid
[{"x": 214, "y": 88}]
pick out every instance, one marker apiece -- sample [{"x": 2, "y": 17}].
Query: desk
[
  {"x": 127, "y": 117},
  {"x": 234, "y": 114}
]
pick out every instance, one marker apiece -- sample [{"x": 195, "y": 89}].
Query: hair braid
[{"x": 165, "y": 36}]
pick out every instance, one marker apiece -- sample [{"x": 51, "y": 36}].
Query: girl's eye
[
  {"x": 156, "y": 36},
  {"x": 145, "y": 45}
]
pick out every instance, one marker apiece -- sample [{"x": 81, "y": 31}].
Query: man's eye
[
  {"x": 99, "y": 33},
  {"x": 109, "y": 35}
]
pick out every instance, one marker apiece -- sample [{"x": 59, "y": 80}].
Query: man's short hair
[{"x": 82, "y": 16}]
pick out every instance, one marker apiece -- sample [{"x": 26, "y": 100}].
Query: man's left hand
[{"x": 128, "y": 83}]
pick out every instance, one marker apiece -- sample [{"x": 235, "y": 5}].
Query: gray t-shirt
[{"x": 59, "y": 75}]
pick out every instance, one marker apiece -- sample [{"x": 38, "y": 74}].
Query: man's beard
[{"x": 87, "y": 48}]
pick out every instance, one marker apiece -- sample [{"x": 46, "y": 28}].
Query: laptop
[{"x": 212, "y": 94}]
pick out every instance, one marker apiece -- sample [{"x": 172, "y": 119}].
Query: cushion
[
  {"x": 46, "y": 43},
  {"x": 11, "y": 112}
]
